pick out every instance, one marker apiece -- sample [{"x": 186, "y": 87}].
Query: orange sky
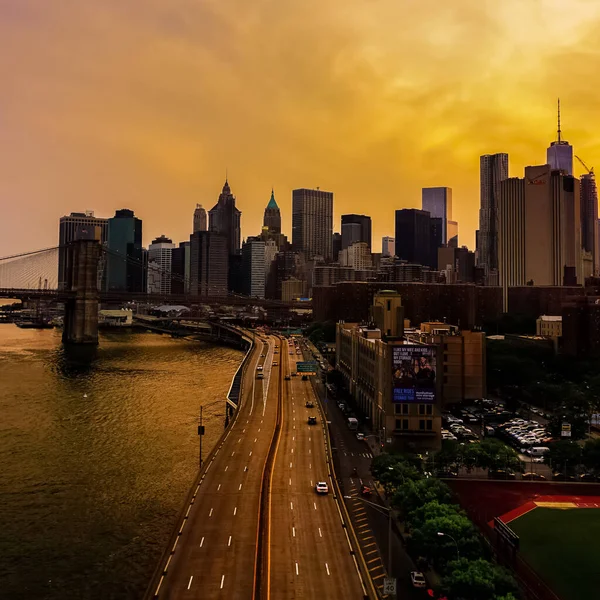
[{"x": 143, "y": 104}]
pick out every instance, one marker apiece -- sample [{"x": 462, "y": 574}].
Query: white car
[
  {"x": 418, "y": 579},
  {"x": 360, "y": 436},
  {"x": 321, "y": 487}
]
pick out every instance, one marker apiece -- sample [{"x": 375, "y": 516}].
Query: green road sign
[{"x": 306, "y": 368}]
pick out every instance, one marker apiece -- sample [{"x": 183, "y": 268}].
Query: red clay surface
[{"x": 484, "y": 500}]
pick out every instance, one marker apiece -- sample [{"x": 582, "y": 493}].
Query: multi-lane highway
[
  {"x": 310, "y": 552},
  {"x": 215, "y": 554},
  {"x": 220, "y": 551}
]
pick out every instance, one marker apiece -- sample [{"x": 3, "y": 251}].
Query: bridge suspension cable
[{"x": 37, "y": 270}]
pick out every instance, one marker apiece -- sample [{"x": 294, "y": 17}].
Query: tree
[
  {"x": 392, "y": 471},
  {"x": 493, "y": 454},
  {"x": 412, "y": 494},
  {"x": 478, "y": 580},
  {"x": 431, "y": 510},
  {"x": 591, "y": 455},
  {"x": 563, "y": 455},
  {"x": 439, "y": 549}
]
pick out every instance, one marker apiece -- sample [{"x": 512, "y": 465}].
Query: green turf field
[{"x": 563, "y": 546}]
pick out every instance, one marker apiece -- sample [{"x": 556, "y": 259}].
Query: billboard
[{"x": 413, "y": 373}]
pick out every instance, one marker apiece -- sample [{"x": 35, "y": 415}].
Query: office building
[
  {"x": 549, "y": 326},
  {"x": 200, "y": 219},
  {"x": 336, "y": 245},
  {"x": 356, "y": 256},
  {"x": 272, "y": 217},
  {"x": 125, "y": 269},
  {"x": 253, "y": 267},
  {"x": 292, "y": 289},
  {"x": 160, "y": 253},
  {"x": 539, "y": 222},
  {"x": 77, "y": 226},
  {"x": 312, "y": 223},
  {"x": 458, "y": 264},
  {"x": 209, "y": 263},
  {"x": 180, "y": 269},
  {"x": 493, "y": 168},
  {"x": 418, "y": 236},
  {"x": 352, "y": 234},
  {"x": 560, "y": 153},
  {"x": 437, "y": 201},
  {"x": 589, "y": 220},
  {"x": 225, "y": 218},
  {"x": 388, "y": 246}
]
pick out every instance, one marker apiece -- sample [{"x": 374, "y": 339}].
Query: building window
[
  {"x": 389, "y": 305},
  {"x": 421, "y": 409},
  {"x": 404, "y": 423},
  {"x": 398, "y": 423},
  {"x": 405, "y": 408},
  {"x": 445, "y": 368},
  {"x": 445, "y": 346},
  {"x": 398, "y": 409},
  {"x": 429, "y": 425},
  {"x": 422, "y": 424},
  {"x": 429, "y": 409}
]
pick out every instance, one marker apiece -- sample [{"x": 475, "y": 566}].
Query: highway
[
  {"x": 214, "y": 556},
  {"x": 309, "y": 552}
]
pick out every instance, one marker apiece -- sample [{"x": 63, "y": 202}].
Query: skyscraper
[
  {"x": 540, "y": 229},
  {"x": 253, "y": 267},
  {"x": 180, "y": 269},
  {"x": 209, "y": 263},
  {"x": 560, "y": 153},
  {"x": 124, "y": 267},
  {"x": 200, "y": 219},
  {"x": 160, "y": 253},
  {"x": 272, "y": 218},
  {"x": 77, "y": 226},
  {"x": 312, "y": 222},
  {"x": 589, "y": 218},
  {"x": 413, "y": 236},
  {"x": 493, "y": 170},
  {"x": 225, "y": 219},
  {"x": 388, "y": 246},
  {"x": 438, "y": 202},
  {"x": 336, "y": 245},
  {"x": 352, "y": 235}
]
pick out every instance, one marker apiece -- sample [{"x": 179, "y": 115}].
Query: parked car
[
  {"x": 501, "y": 474},
  {"x": 534, "y": 477},
  {"x": 418, "y": 579}
]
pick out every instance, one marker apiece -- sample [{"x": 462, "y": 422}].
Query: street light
[
  {"x": 383, "y": 510},
  {"x": 442, "y": 534}
]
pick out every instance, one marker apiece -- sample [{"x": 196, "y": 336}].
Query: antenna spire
[{"x": 559, "y": 120}]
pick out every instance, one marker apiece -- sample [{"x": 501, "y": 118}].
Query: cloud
[{"x": 145, "y": 103}]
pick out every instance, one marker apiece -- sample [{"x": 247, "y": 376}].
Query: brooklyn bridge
[{"x": 34, "y": 276}]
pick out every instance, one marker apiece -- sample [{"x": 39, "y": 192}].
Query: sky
[{"x": 147, "y": 104}]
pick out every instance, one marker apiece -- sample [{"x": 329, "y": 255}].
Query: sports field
[{"x": 563, "y": 546}]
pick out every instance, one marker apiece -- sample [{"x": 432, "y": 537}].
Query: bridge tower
[{"x": 81, "y": 277}]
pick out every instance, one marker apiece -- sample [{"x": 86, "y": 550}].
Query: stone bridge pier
[{"x": 81, "y": 308}]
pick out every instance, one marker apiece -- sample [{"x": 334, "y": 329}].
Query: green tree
[
  {"x": 478, "y": 580},
  {"x": 426, "y": 540},
  {"x": 563, "y": 454},
  {"x": 431, "y": 510},
  {"x": 493, "y": 454},
  {"x": 412, "y": 494},
  {"x": 392, "y": 471}
]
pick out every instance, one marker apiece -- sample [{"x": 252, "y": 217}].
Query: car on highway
[
  {"x": 287, "y": 378},
  {"x": 418, "y": 579},
  {"x": 262, "y": 355},
  {"x": 309, "y": 404},
  {"x": 321, "y": 487},
  {"x": 304, "y": 377},
  {"x": 312, "y": 420},
  {"x": 360, "y": 436},
  {"x": 274, "y": 363}
]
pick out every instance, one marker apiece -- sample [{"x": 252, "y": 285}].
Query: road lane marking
[
  {"x": 311, "y": 483},
  {"x": 201, "y": 542},
  {"x": 190, "y": 582},
  {"x": 235, "y": 511},
  {"x": 233, "y": 453},
  {"x": 227, "y": 467},
  {"x": 293, "y": 438},
  {"x": 229, "y": 542},
  {"x": 244, "y": 430},
  {"x": 240, "y": 487},
  {"x": 259, "y": 429},
  {"x": 296, "y": 568},
  {"x": 327, "y": 567},
  {"x": 210, "y": 513},
  {"x": 222, "y": 580},
  {"x": 255, "y": 440},
  {"x": 290, "y": 481},
  {"x": 373, "y": 560},
  {"x": 218, "y": 487},
  {"x": 250, "y": 453},
  {"x": 309, "y": 451},
  {"x": 239, "y": 440},
  {"x": 320, "y": 532},
  {"x": 310, "y": 465},
  {"x": 290, "y": 465},
  {"x": 293, "y": 532},
  {"x": 292, "y": 451},
  {"x": 291, "y": 505},
  {"x": 315, "y": 505},
  {"x": 309, "y": 439}
]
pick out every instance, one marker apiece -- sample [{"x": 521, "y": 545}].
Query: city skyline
[{"x": 127, "y": 119}]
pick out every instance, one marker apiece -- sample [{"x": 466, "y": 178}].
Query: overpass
[
  {"x": 253, "y": 526},
  {"x": 33, "y": 276}
]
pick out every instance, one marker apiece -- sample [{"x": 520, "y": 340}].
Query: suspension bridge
[{"x": 76, "y": 275}]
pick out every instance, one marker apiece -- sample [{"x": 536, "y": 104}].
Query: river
[{"x": 97, "y": 456}]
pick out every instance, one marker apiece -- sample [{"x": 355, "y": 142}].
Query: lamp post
[
  {"x": 442, "y": 534},
  {"x": 386, "y": 511}
]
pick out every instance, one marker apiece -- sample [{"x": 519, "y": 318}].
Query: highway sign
[
  {"x": 389, "y": 585},
  {"x": 306, "y": 368}
]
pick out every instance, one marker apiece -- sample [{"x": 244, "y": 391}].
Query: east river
[{"x": 97, "y": 455}]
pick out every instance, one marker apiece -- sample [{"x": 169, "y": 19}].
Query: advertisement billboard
[{"x": 413, "y": 373}]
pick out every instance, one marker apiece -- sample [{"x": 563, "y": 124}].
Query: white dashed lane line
[{"x": 190, "y": 582}]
